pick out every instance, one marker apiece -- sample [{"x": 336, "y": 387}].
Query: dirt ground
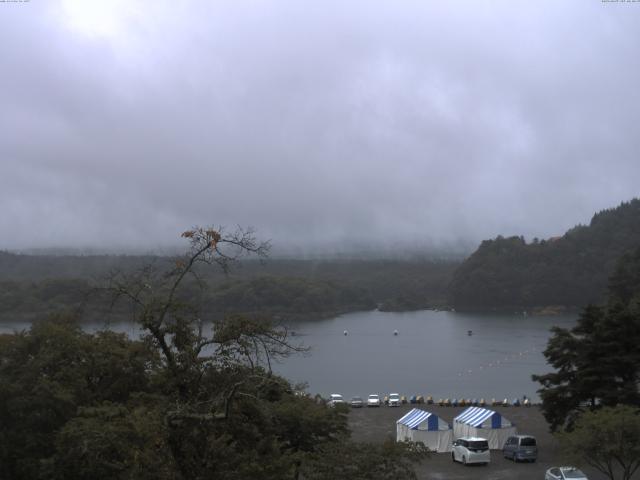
[{"x": 376, "y": 424}]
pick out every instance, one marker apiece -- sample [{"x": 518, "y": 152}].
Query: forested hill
[
  {"x": 570, "y": 271},
  {"x": 32, "y": 286}
]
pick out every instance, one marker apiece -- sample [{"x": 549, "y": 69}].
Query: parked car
[
  {"x": 357, "y": 402},
  {"x": 334, "y": 399},
  {"x": 394, "y": 400},
  {"x": 564, "y": 473},
  {"x": 520, "y": 448},
  {"x": 471, "y": 450},
  {"x": 373, "y": 400}
]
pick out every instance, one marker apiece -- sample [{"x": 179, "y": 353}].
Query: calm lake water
[{"x": 431, "y": 355}]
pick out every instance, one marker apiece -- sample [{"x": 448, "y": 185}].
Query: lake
[{"x": 431, "y": 355}]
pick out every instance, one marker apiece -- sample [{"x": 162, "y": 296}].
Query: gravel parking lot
[{"x": 376, "y": 424}]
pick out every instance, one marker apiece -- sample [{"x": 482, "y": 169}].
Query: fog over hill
[{"x": 328, "y": 126}]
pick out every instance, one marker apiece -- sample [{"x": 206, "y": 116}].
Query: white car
[
  {"x": 564, "y": 473},
  {"x": 334, "y": 399},
  {"x": 394, "y": 400},
  {"x": 373, "y": 400},
  {"x": 471, "y": 450}
]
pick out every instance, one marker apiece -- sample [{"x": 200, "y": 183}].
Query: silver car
[
  {"x": 335, "y": 399},
  {"x": 394, "y": 400},
  {"x": 520, "y": 448},
  {"x": 564, "y": 473},
  {"x": 373, "y": 400}
]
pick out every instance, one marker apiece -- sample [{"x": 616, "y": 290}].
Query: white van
[{"x": 471, "y": 450}]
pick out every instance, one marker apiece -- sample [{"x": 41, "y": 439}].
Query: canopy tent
[
  {"x": 425, "y": 427},
  {"x": 481, "y": 422}
]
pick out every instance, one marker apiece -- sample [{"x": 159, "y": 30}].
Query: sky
[{"x": 324, "y": 125}]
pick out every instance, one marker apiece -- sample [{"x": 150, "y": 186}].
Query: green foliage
[
  {"x": 46, "y": 374},
  {"x": 112, "y": 441},
  {"x": 287, "y": 296},
  {"x": 32, "y": 286},
  {"x": 607, "y": 439},
  {"x": 597, "y": 362},
  {"x": 624, "y": 284},
  {"x": 572, "y": 271},
  {"x": 364, "y": 461},
  {"x": 184, "y": 403}
]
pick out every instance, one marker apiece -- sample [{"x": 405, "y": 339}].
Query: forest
[
  {"x": 33, "y": 285},
  {"x": 566, "y": 272},
  {"x": 506, "y": 273},
  {"x": 184, "y": 401}
]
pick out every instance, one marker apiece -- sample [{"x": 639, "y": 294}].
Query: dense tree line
[
  {"x": 75, "y": 405},
  {"x": 570, "y": 271},
  {"x": 185, "y": 402},
  {"x": 606, "y": 439},
  {"x": 597, "y": 362},
  {"x": 283, "y": 288},
  {"x": 288, "y": 296}
]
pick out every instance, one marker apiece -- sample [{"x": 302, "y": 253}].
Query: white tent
[
  {"x": 480, "y": 422},
  {"x": 425, "y": 427}
]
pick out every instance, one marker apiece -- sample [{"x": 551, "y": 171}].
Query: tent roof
[
  {"x": 414, "y": 418},
  {"x": 474, "y": 416}
]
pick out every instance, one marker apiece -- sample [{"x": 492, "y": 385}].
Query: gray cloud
[{"x": 320, "y": 124}]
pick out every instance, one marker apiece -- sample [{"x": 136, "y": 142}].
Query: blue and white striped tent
[
  {"x": 481, "y": 422},
  {"x": 426, "y": 427}
]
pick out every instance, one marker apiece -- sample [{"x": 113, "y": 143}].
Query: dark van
[{"x": 521, "y": 448}]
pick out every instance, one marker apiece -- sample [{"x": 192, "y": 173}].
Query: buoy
[
  {"x": 346, "y": 333},
  {"x": 395, "y": 332}
]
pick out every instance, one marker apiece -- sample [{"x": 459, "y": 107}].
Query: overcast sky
[{"x": 319, "y": 123}]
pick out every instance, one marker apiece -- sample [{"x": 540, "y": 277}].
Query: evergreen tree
[{"x": 597, "y": 362}]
